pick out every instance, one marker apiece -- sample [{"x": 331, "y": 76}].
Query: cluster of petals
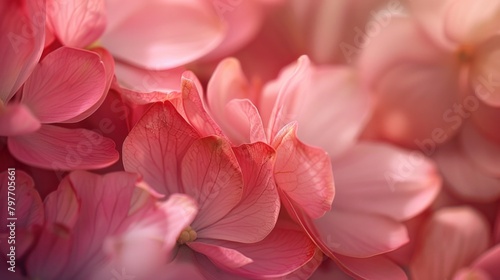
[{"x": 238, "y": 139}]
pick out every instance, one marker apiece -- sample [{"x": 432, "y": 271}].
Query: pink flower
[
  {"x": 178, "y": 148},
  {"x": 377, "y": 185},
  {"x": 65, "y": 87},
  {"x": 93, "y": 223}
]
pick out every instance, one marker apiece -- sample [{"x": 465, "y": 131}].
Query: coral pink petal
[
  {"x": 22, "y": 41},
  {"x": 380, "y": 179},
  {"x": 467, "y": 236},
  {"x": 486, "y": 118},
  {"x": 255, "y": 215},
  {"x": 77, "y": 23},
  {"x": 184, "y": 266},
  {"x": 155, "y": 146},
  {"x": 194, "y": 107},
  {"x": 488, "y": 262},
  {"x": 54, "y": 147},
  {"x": 483, "y": 152},
  {"x": 470, "y": 22},
  {"x": 220, "y": 256},
  {"x": 377, "y": 267},
  {"x": 211, "y": 176},
  {"x": 303, "y": 173},
  {"x": 17, "y": 119},
  {"x": 463, "y": 177},
  {"x": 162, "y": 34},
  {"x": 345, "y": 233},
  {"x": 283, "y": 251},
  {"x": 242, "y": 115},
  {"x": 484, "y": 73},
  {"x": 109, "y": 65},
  {"x": 180, "y": 211},
  {"x": 62, "y": 206},
  {"x": 64, "y": 85}
]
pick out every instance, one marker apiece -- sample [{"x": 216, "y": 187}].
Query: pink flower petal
[
  {"x": 221, "y": 256},
  {"x": 303, "y": 173},
  {"x": 377, "y": 267},
  {"x": 157, "y": 34},
  {"x": 22, "y": 41},
  {"x": 229, "y": 97},
  {"x": 484, "y": 70},
  {"x": 17, "y": 119},
  {"x": 463, "y": 177},
  {"x": 407, "y": 71},
  {"x": 381, "y": 179},
  {"x": 155, "y": 146},
  {"x": 467, "y": 236},
  {"x": 469, "y": 22},
  {"x": 54, "y": 147},
  {"x": 345, "y": 233},
  {"x": 259, "y": 204},
  {"x": 194, "y": 108},
  {"x": 281, "y": 253},
  {"x": 64, "y": 85},
  {"x": 109, "y": 65},
  {"x": 142, "y": 80},
  {"x": 211, "y": 175},
  {"x": 483, "y": 152},
  {"x": 77, "y": 23}
]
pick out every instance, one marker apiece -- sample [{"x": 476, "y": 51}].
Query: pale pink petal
[
  {"x": 407, "y": 72},
  {"x": 65, "y": 84},
  {"x": 484, "y": 73},
  {"x": 377, "y": 267},
  {"x": 194, "y": 108},
  {"x": 158, "y": 34},
  {"x": 282, "y": 252},
  {"x": 54, "y": 147},
  {"x": 22, "y": 41},
  {"x": 229, "y": 97},
  {"x": 212, "y": 177},
  {"x": 345, "y": 233},
  {"x": 77, "y": 23},
  {"x": 488, "y": 262},
  {"x": 303, "y": 173},
  {"x": 483, "y": 152},
  {"x": 464, "y": 178},
  {"x": 180, "y": 212},
  {"x": 109, "y": 65},
  {"x": 287, "y": 86},
  {"x": 143, "y": 80},
  {"x": 155, "y": 146},
  {"x": 451, "y": 239},
  {"x": 220, "y": 256},
  {"x": 431, "y": 15},
  {"x": 469, "y": 22},
  {"x": 62, "y": 207},
  {"x": 381, "y": 179},
  {"x": 17, "y": 119},
  {"x": 332, "y": 109},
  {"x": 255, "y": 215}
]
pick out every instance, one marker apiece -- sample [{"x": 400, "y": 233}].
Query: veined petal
[
  {"x": 17, "y": 119},
  {"x": 21, "y": 43},
  {"x": 255, "y": 215},
  {"x": 77, "y": 23},
  {"x": 54, "y": 147},
  {"x": 221, "y": 256},
  {"x": 156, "y": 145},
  {"x": 64, "y": 85},
  {"x": 303, "y": 173},
  {"x": 211, "y": 175},
  {"x": 377, "y": 267}
]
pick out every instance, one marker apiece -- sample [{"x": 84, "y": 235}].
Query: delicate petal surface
[{"x": 17, "y": 119}]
